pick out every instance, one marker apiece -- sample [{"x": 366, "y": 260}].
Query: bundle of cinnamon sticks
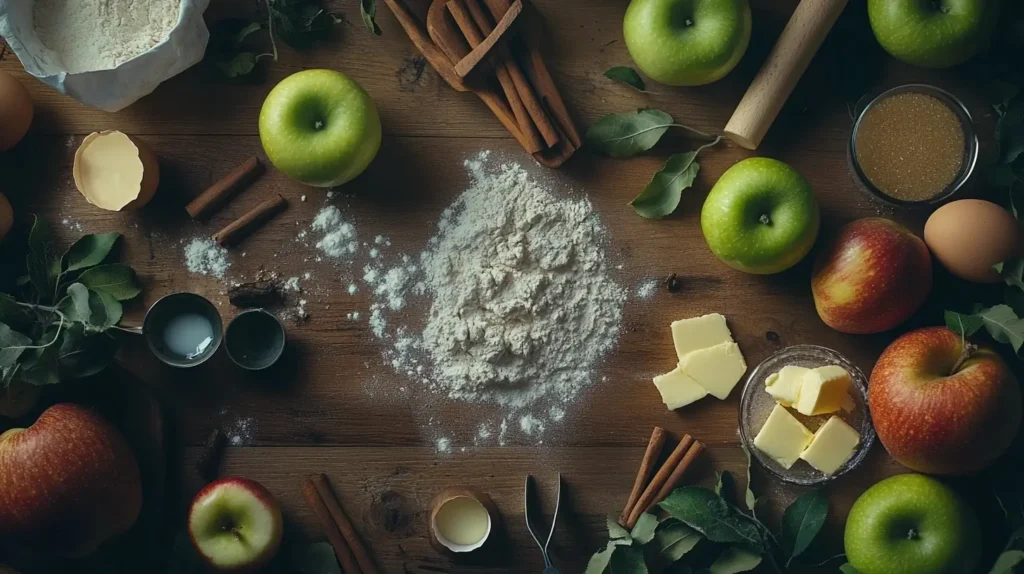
[
  {"x": 351, "y": 553},
  {"x": 648, "y": 492},
  {"x": 477, "y": 46}
]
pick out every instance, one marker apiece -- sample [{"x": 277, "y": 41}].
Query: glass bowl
[
  {"x": 756, "y": 404},
  {"x": 970, "y": 146}
]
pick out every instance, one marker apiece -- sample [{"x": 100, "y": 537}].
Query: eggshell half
[
  {"x": 970, "y": 236},
  {"x": 115, "y": 171}
]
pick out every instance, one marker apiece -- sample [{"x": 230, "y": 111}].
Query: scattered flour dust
[
  {"x": 338, "y": 237},
  {"x": 647, "y": 289},
  {"x": 204, "y": 257},
  {"x": 241, "y": 431},
  {"x": 522, "y": 308}
]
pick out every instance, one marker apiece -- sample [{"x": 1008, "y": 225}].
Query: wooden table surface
[{"x": 328, "y": 406}]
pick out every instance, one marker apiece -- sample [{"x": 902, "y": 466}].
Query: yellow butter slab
[
  {"x": 784, "y": 386},
  {"x": 782, "y": 437},
  {"x": 833, "y": 444},
  {"x": 678, "y": 389},
  {"x": 824, "y": 390},
  {"x": 716, "y": 368},
  {"x": 689, "y": 335}
]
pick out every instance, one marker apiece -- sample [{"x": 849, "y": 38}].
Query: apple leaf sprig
[
  {"x": 631, "y": 133},
  {"x": 59, "y": 328},
  {"x": 298, "y": 23},
  {"x": 705, "y": 531}
]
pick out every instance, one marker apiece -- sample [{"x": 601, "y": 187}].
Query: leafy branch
[
  {"x": 60, "y": 326},
  {"x": 626, "y": 135}
]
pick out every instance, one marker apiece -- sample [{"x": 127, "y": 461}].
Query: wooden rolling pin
[{"x": 800, "y": 40}]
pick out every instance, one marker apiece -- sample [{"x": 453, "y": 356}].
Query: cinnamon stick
[
  {"x": 655, "y": 486},
  {"x": 227, "y": 187},
  {"x": 319, "y": 508},
  {"x": 344, "y": 524},
  {"x": 240, "y": 228},
  {"x": 522, "y": 85},
  {"x": 677, "y": 475},
  {"x": 654, "y": 448}
]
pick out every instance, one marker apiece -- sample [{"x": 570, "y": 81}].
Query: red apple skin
[
  {"x": 873, "y": 277},
  {"x": 260, "y": 493},
  {"x": 69, "y": 482},
  {"x": 936, "y": 422}
]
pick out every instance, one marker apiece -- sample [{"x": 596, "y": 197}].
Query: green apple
[
  {"x": 932, "y": 33},
  {"x": 911, "y": 524},
  {"x": 687, "y": 42},
  {"x": 235, "y": 525},
  {"x": 761, "y": 217},
  {"x": 320, "y": 127}
]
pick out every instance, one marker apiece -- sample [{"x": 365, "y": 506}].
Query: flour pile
[
  {"x": 88, "y": 35},
  {"x": 523, "y": 308}
]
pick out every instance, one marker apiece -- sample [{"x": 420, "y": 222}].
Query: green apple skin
[
  {"x": 761, "y": 216},
  {"x": 933, "y": 33},
  {"x": 320, "y": 127},
  {"x": 911, "y": 524},
  {"x": 236, "y": 525},
  {"x": 687, "y": 42}
]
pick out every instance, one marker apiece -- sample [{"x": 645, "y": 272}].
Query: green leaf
[
  {"x": 83, "y": 354},
  {"x": 239, "y": 65},
  {"x": 599, "y": 562},
  {"x": 368, "y": 12},
  {"x": 39, "y": 364},
  {"x": 962, "y": 324},
  {"x": 1012, "y": 272},
  {"x": 626, "y": 75},
  {"x": 316, "y": 558},
  {"x": 749, "y": 498},
  {"x": 114, "y": 279},
  {"x": 12, "y": 345},
  {"x": 1010, "y": 132},
  {"x": 735, "y": 559},
  {"x": 643, "y": 532},
  {"x": 802, "y": 521},
  {"x": 246, "y": 31},
  {"x": 1007, "y": 562},
  {"x": 625, "y": 135},
  {"x": 41, "y": 261},
  {"x": 17, "y": 317},
  {"x": 661, "y": 196},
  {"x": 97, "y": 310},
  {"x": 1003, "y": 325},
  {"x": 627, "y": 560},
  {"x": 616, "y": 531},
  {"x": 709, "y": 514},
  {"x": 88, "y": 251},
  {"x": 848, "y": 569},
  {"x": 673, "y": 539}
]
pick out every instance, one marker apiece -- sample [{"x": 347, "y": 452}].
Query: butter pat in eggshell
[{"x": 115, "y": 171}]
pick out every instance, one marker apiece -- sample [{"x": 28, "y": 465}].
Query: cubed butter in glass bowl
[{"x": 756, "y": 405}]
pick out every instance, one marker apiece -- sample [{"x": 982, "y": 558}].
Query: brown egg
[
  {"x": 15, "y": 111},
  {"x": 6, "y": 216},
  {"x": 969, "y": 236}
]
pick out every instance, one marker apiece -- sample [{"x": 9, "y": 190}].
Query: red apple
[
  {"x": 872, "y": 277},
  {"x": 69, "y": 482},
  {"x": 235, "y": 525},
  {"x": 940, "y": 410}
]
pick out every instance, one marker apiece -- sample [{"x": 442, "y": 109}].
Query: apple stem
[
  {"x": 968, "y": 350},
  {"x": 764, "y": 219},
  {"x": 912, "y": 534}
]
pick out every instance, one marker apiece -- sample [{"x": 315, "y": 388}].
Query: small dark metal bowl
[
  {"x": 170, "y": 306},
  {"x": 254, "y": 339},
  {"x": 970, "y": 146}
]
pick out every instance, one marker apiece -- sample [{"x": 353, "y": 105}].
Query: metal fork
[{"x": 532, "y": 499}]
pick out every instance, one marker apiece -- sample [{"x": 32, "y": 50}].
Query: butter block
[
  {"x": 690, "y": 335},
  {"x": 783, "y": 437},
  {"x": 784, "y": 386},
  {"x": 716, "y": 368},
  {"x": 678, "y": 389},
  {"x": 824, "y": 391},
  {"x": 833, "y": 444}
]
